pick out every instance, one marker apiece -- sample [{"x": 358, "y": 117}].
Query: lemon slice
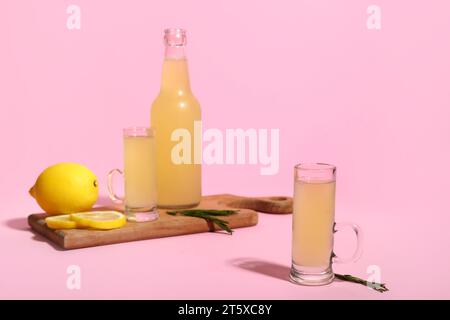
[
  {"x": 104, "y": 220},
  {"x": 60, "y": 222}
]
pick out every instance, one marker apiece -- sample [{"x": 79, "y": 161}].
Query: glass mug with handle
[
  {"x": 313, "y": 225},
  {"x": 139, "y": 173}
]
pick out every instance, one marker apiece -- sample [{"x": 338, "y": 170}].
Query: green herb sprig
[
  {"x": 209, "y": 216},
  {"x": 380, "y": 287}
]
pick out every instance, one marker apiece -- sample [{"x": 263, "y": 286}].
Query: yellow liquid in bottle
[
  {"x": 313, "y": 219},
  {"x": 178, "y": 185}
]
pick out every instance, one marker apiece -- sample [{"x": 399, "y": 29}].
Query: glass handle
[
  {"x": 359, "y": 242},
  {"x": 115, "y": 198}
]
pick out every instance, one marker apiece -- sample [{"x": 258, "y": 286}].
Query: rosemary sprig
[
  {"x": 209, "y": 216},
  {"x": 380, "y": 287}
]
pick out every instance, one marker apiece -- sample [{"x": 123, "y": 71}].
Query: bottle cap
[{"x": 174, "y": 37}]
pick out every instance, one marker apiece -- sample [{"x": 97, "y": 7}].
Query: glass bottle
[{"x": 176, "y": 117}]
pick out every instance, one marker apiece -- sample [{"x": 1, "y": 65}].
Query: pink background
[{"x": 375, "y": 103}]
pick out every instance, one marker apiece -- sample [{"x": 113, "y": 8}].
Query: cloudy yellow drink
[
  {"x": 140, "y": 171},
  {"x": 175, "y": 109},
  {"x": 312, "y": 231}
]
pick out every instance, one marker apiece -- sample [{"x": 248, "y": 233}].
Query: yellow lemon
[
  {"x": 104, "y": 220},
  {"x": 60, "y": 222},
  {"x": 65, "y": 188}
]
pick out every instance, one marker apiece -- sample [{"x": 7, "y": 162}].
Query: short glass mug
[
  {"x": 139, "y": 173},
  {"x": 313, "y": 225}
]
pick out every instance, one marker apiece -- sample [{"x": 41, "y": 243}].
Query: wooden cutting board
[{"x": 166, "y": 225}]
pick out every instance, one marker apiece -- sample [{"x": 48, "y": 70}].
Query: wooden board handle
[{"x": 273, "y": 204}]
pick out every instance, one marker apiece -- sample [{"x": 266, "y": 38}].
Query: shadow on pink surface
[
  {"x": 270, "y": 269},
  {"x": 18, "y": 224},
  {"x": 21, "y": 224},
  {"x": 266, "y": 268}
]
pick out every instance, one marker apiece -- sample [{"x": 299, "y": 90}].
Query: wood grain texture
[{"x": 166, "y": 225}]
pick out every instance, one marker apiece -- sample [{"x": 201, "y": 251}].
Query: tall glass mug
[
  {"x": 140, "y": 175},
  {"x": 313, "y": 225}
]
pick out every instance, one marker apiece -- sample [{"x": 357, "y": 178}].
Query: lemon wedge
[
  {"x": 60, "y": 222},
  {"x": 104, "y": 220}
]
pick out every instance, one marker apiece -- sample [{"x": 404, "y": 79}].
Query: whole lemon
[{"x": 65, "y": 188}]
